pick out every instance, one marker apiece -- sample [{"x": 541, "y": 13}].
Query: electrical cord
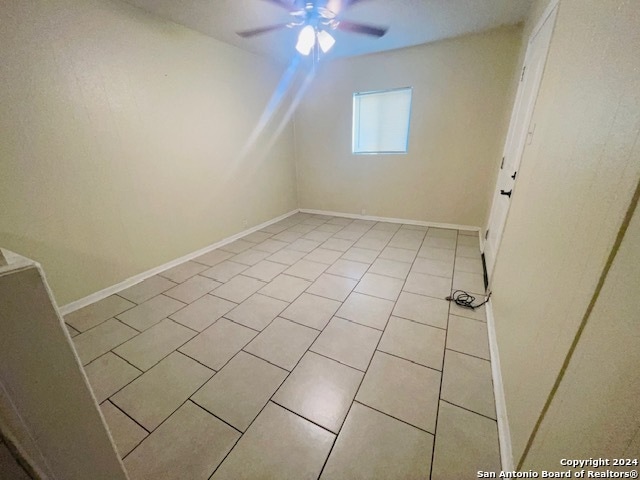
[{"x": 464, "y": 299}]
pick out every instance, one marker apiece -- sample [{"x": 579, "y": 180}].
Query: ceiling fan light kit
[{"x": 315, "y": 19}]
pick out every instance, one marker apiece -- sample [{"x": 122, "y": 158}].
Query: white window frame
[{"x": 355, "y": 121}]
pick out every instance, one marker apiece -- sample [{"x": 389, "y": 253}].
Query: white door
[{"x": 520, "y": 134}]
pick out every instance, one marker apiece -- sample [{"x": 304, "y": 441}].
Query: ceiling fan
[{"x": 316, "y": 17}]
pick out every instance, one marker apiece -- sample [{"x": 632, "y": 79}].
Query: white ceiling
[{"x": 410, "y": 22}]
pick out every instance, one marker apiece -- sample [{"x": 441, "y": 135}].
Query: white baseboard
[
  {"x": 504, "y": 433},
  {"x": 104, "y": 293},
  {"x": 392, "y": 220}
]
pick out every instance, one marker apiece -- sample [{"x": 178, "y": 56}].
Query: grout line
[
  {"x": 395, "y": 418},
  {"x": 130, "y": 417},
  {"x": 444, "y": 352},
  {"x": 468, "y": 409},
  {"x": 213, "y": 414},
  {"x": 409, "y": 360},
  {"x": 469, "y": 354},
  {"x": 304, "y": 418}
]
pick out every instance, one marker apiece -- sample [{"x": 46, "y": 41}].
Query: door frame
[{"x": 551, "y": 11}]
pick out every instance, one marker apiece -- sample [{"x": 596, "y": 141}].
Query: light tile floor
[{"x": 318, "y": 347}]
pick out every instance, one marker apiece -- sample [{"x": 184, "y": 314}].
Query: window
[{"x": 381, "y": 121}]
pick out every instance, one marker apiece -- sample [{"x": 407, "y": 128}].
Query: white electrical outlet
[
  {"x": 245, "y": 223},
  {"x": 363, "y": 211}
]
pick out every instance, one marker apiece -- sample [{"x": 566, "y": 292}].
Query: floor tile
[
  {"x": 265, "y": 270},
  {"x": 348, "y": 268},
  {"x": 372, "y": 445},
  {"x": 321, "y": 390},
  {"x": 217, "y": 344},
  {"x": 338, "y": 244},
  {"x": 155, "y": 343},
  {"x": 467, "y": 251},
  {"x": 299, "y": 452},
  {"x": 347, "y": 234},
  {"x": 469, "y": 282},
  {"x": 108, "y": 374},
  {"x": 470, "y": 241},
  {"x": 442, "y": 232},
  {"x": 192, "y": 289},
  {"x": 155, "y": 395},
  {"x": 323, "y": 255},
  {"x": 184, "y": 271},
  {"x": 347, "y": 342},
  {"x": 237, "y": 393},
  {"x": 419, "y": 308},
  {"x": 380, "y": 286},
  {"x": 326, "y": 227},
  {"x": 390, "y": 268},
  {"x": 126, "y": 433},
  {"x": 238, "y": 246},
  {"x": 471, "y": 265},
  {"x": 402, "y": 389},
  {"x": 413, "y": 341},
  {"x": 398, "y": 254},
  {"x": 285, "y": 287},
  {"x": 271, "y": 245},
  {"x": 146, "y": 289},
  {"x": 301, "y": 228},
  {"x": 340, "y": 221},
  {"x": 317, "y": 236},
  {"x": 439, "y": 268},
  {"x": 99, "y": 340},
  {"x": 467, "y": 382},
  {"x": 465, "y": 444},
  {"x": 306, "y": 269},
  {"x": 417, "y": 228},
  {"x": 362, "y": 255},
  {"x": 150, "y": 312},
  {"x": 282, "y": 343},
  {"x": 410, "y": 242},
  {"x": 303, "y": 245},
  {"x": 257, "y": 311},
  {"x": 214, "y": 257},
  {"x": 257, "y": 237},
  {"x": 371, "y": 243},
  {"x": 475, "y": 313},
  {"x": 189, "y": 445},
  {"x": 468, "y": 336},
  {"x": 96, "y": 313},
  {"x": 430, "y": 285},
  {"x": 439, "y": 242},
  {"x": 250, "y": 257},
  {"x": 224, "y": 271},
  {"x": 332, "y": 286},
  {"x": 288, "y": 236},
  {"x": 286, "y": 256},
  {"x": 472, "y": 233},
  {"x": 238, "y": 289},
  {"x": 311, "y": 310},
  {"x": 386, "y": 227},
  {"x": 203, "y": 312},
  {"x": 433, "y": 253},
  {"x": 366, "y": 310}
]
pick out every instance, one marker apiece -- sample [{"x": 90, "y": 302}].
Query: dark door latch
[{"x": 508, "y": 194}]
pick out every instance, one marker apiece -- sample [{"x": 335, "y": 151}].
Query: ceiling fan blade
[
  {"x": 261, "y": 30},
  {"x": 290, "y": 6},
  {"x": 362, "y": 28}
]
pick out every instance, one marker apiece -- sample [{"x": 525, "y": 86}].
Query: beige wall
[
  {"x": 462, "y": 95},
  {"x": 575, "y": 184},
  {"x": 596, "y": 409},
  {"x": 120, "y": 143}
]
